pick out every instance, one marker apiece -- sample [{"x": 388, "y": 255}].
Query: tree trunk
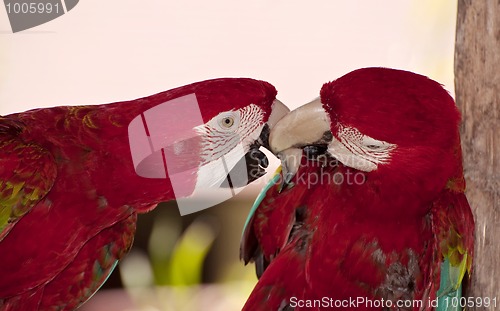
[{"x": 477, "y": 88}]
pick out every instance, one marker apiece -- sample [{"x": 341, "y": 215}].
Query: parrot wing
[
  {"x": 275, "y": 226},
  {"x": 270, "y": 223},
  {"x": 91, "y": 267},
  {"x": 27, "y": 173},
  {"x": 84, "y": 275},
  {"x": 286, "y": 274},
  {"x": 454, "y": 229}
]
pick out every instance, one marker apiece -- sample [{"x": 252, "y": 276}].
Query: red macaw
[
  {"x": 70, "y": 187},
  {"x": 369, "y": 212}
]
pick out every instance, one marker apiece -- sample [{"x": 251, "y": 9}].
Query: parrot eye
[{"x": 227, "y": 122}]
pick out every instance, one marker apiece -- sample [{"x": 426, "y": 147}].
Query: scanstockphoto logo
[
  {"x": 166, "y": 142},
  {"x": 28, "y": 13}
]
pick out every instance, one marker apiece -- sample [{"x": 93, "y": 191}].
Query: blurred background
[{"x": 113, "y": 50}]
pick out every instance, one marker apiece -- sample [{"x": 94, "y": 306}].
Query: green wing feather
[
  {"x": 453, "y": 271},
  {"x": 454, "y": 227},
  {"x": 27, "y": 173},
  {"x": 274, "y": 180},
  {"x": 450, "y": 287}
]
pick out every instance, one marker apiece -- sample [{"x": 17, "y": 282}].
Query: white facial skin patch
[
  {"x": 225, "y": 140},
  {"x": 359, "y": 151}
]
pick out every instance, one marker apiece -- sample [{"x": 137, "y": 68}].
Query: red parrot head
[
  {"x": 392, "y": 125},
  {"x": 206, "y": 135}
]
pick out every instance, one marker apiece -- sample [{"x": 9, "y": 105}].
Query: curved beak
[
  {"x": 255, "y": 162},
  {"x": 278, "y": 111},
  {"x": 306, "y": 125}
]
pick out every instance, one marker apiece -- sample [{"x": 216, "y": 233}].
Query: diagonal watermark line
[
  {"x": 228, "y": 176},
  {"x": 63, "y": 4}
]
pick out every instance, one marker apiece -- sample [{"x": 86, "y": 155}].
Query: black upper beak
[{"x": 252, "y": 166}]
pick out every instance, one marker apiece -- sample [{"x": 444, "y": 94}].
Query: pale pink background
[{"x": 109, "y": 50}]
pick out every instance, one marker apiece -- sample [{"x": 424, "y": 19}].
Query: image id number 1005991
[
  {"x": 32, "y": 8},
  {"x": 470, "y": 302}
]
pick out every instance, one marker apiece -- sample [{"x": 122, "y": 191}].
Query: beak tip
[
  {"x": 278, "y": 111},
  {"x": 286, "y": 181},
  {"x": 282, "y": 186},
  {"x": 290, "y": 163}
]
